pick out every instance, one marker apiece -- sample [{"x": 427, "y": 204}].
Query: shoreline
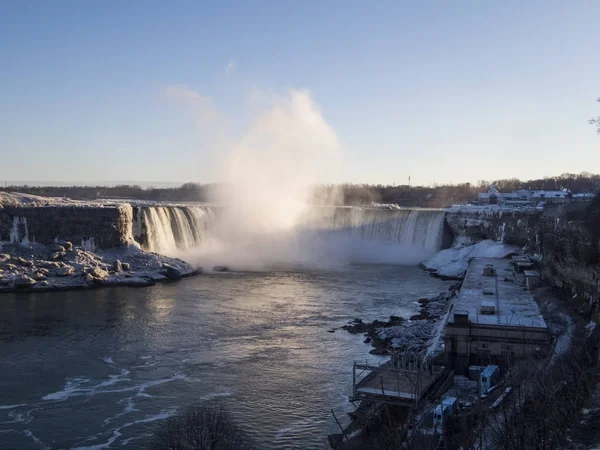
[
  {"x": 388, "y": 337},
  {"x": 64, "y": 267}
]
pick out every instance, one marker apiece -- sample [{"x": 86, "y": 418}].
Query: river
[{"x": 101, "y": 369}]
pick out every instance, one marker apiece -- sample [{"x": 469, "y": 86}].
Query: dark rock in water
[
  {"x": 358, "y": 327},
  {"x": 379, "y": 351},
  {"x": 420, "y": 316},
  {"x": 24, "y": 282},
  {"x": 335, "y": 439},
  {"x": 172, "y": 273},
  {"x": 331, "y": 331},
  {"x": 44, "y": 283},
  {"x": 117, "y": 266},
  {"x": 126, "y": 267},
  {"x": 220, "y": 269},
  {"x": 367, "y": 340}
]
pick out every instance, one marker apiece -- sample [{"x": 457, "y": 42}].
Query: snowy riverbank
[
  {"x": 63, "y": 266},
  {"x": 452, "y": 263}
]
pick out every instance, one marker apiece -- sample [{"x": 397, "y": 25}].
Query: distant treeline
[
  {"x": 348, "y": 194},
  {"x": 186, "y": 192},
  {"x": 441, "y": 196}
]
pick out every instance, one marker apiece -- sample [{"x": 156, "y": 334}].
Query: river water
[{"x": 101, "y": 369}]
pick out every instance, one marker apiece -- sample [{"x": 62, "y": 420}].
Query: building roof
[
  {"x": 515, "y": 307},
  {"x": 550, "y": 194},
  {"x": 489, "y": 370},
  {"x": 486, "y": 195}
]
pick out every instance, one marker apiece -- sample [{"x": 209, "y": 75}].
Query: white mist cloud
[
  {"x": 270, "y": 171},
  {"x": 201, "y": 106},
  {"x": 230, "y": 67}
]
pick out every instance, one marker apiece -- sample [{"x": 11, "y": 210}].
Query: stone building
[{"x": 493, "y": 320}]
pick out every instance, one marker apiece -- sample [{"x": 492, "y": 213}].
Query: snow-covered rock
[
  {"x": 453, "y": 262},
  {"x": 28, "y": 267}
]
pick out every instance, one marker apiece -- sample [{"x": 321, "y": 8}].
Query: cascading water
[
  {"x": 421, "y": 228},
  {"x": 172, "y": 229}
]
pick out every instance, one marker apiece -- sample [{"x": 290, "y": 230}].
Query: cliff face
[
  {"x": 102, "y": 226},
  {"x": 515, "y": 227},
  {"x": 568, "y": 245},
  {"x": 571, "y": 250}
]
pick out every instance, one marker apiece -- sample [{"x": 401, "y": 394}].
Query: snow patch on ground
[
  {"x": 17, "y": 199},
  {"x": 453, "y": 262},
  {"x": 491, "y": 209}
]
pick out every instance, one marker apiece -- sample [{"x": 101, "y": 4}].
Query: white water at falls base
[{"x": 324, "y": 236}]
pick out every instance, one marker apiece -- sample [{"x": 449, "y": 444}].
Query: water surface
[{"x": 100, "y": 369}]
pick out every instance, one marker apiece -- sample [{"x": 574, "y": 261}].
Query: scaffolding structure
[{"x": 405, "y": 380}]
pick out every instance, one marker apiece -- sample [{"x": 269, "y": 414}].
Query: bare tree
[
  {"x": 207, "y": 426},
  {"x": 596, "y": 120},
  {"x": 545, "y": 399}
]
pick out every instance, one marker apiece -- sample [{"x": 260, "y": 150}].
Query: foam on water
[
  {"x": 28, "y": 433},
  {"x": 12, "y": 406},
  {"x": 74, "y": 388},
  {"x": 129, "y": 408}
]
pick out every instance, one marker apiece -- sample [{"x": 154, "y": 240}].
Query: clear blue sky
[{"x": 443, "y": 91}]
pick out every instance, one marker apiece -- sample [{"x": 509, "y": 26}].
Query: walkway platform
[{"x": 396, "y": 386}]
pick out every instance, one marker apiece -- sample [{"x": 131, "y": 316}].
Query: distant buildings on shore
[{"x": 530, "y": 197}]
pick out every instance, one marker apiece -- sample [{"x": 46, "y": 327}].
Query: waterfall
[
  {"x": 172, "y": 228},
  {"x": 422, "y": 228},
  {"x": 167, "y": 229}
]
